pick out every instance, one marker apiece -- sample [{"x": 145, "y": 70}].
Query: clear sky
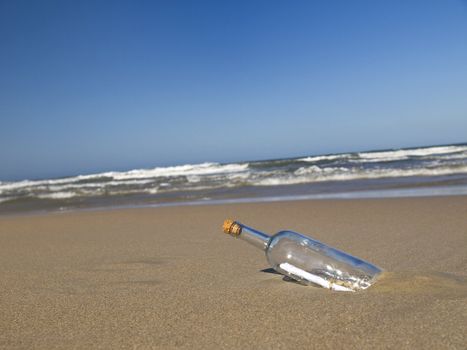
[{"x": 88, "y": 86}]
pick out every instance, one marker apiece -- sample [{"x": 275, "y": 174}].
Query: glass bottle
[{"x": 307, "y": 260}]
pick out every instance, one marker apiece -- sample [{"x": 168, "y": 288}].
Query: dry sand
[{"x": 168, "y": 277}]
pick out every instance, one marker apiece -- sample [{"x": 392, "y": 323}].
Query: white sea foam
[
  {"x": 313, "y": 170},
  {"x": 312, "y": 159},
  {"x": 392, "y": 155},
  {"x": 304, "y": 175},
  {"x": 129, "y": 177},
  {"x": 5, "y": 199},
  {"x": 57, "y": 195},
  {"x": 193, "y": 178},
  {"x": 239, "y": 176},
  {"x": 181, "y": 170},
  {"x": 406, "y": 153},
  {"x": 8, "y": 186},
  {"x": 88, "y": 185}
]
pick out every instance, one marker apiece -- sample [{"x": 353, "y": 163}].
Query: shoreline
[{"x": 412, "y": 192}]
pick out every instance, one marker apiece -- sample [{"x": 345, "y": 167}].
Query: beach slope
[{"x": 168, "y": 278}]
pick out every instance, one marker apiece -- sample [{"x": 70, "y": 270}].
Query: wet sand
[{"x": 169, "y": 278}]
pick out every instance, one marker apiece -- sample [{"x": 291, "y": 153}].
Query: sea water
[{"x": 436, "y": 170}]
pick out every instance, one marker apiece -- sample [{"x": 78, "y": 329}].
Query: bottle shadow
[
  {"x": 270, "y": 270},
  {"x": 284, "y": 278}
]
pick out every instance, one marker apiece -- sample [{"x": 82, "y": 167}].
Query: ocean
[{"x": 422, "y": 171}]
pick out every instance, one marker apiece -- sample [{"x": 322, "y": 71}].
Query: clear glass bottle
[{"x": 308, "y": 261}]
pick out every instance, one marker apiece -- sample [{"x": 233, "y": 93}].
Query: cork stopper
[{"x": 231, "y": 227}]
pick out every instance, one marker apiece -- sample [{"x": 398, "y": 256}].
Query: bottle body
[
  {"x": 311, "y": 262},
  {"x": 307, "y": 260}
]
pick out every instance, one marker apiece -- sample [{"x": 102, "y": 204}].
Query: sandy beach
[{"x": 159, "y": 278}]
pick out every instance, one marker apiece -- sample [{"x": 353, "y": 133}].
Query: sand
[{"x": 159, "y": 278}]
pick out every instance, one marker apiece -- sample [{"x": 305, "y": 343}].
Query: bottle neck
[{"x": 258, "y": 239}]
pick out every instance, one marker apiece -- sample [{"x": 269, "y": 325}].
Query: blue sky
[{"x": 88, "y": 86}]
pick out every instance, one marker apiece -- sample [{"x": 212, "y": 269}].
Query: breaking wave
[{"x": 207, "y": 177}]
